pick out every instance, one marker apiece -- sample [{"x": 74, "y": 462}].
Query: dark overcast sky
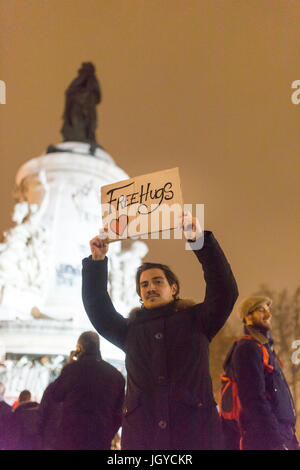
[{"x": 202, "y": 85}]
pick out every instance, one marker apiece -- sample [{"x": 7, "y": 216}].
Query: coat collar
[
  {"x": 26, "y": 405},
  {"x": 95, "y": 355},
  {"x": 143, "y": 314}
]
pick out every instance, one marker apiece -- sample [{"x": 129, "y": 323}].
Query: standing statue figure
[{"x": 80, "y": 117}]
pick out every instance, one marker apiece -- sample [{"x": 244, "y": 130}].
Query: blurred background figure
[
  {"x": 92, "y": 394},
  {"x": 5, "y": 412},
  {"x": 266, "y": 418},
  {"x": 50, "y": 415},
  {"x": 24, "y": 424}
]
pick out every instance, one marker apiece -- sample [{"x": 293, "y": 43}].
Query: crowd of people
[
  {"x": 169, "y": 393},
  {"x": 80, "y": 410}
]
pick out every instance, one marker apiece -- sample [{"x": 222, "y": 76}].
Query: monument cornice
[{"x": 72, "y": 162}]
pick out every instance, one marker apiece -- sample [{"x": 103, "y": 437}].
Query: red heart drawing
[{"x": 118, "y": 225}]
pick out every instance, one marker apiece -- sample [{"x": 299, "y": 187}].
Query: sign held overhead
[{"x": 147, "y": 204}]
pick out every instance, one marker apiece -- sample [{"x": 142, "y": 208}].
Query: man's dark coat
[
  {"x": 92, "y": 395},
  {"x": 169, "y": 400},
  {"x": 51, "y": 414}
]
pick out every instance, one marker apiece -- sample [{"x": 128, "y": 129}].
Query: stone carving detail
[
  {"x": 65, "y": 274},
  {"x": 24, "y": 250},
  {"x": 34, "y": 373},
  {"x": 24, "y": 372},
  {"x": 122, "y": 270},
  {"x": 86, "y": 199}
]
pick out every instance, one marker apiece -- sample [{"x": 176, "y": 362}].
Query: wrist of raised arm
[
  {"x": 96, "y": 257},
  {"x": 94, "y": 272}
]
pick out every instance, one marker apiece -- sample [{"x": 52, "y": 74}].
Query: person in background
[
  {"x": 5, "y": 413},
  {"x": 24, "y": 426},
  {"x": 92, "y": 392},
  {"x": 15, "y": 404},
  {"x": 267, "y": 417},
  {"x": 50, "y": 414}
]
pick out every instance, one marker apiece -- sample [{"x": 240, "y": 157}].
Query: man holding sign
[{"x": 169, "y": 402}]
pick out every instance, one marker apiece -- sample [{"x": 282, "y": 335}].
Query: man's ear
[
  {"x": 248, "y": 320},
  {"x": 174, "y": 289}
]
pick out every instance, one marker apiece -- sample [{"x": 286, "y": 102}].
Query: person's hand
[
  {"x": 99, "y": 246},
  {"x": 73, "y": 356},
  {"x": 191, "y": 226}
]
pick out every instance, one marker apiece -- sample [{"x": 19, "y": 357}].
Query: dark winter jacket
[
  {"x": 5, "y": 414},
  {"x": 268, "y": 413},
  {"x": 24, "y": 427},
  {"x": 169, "y": 400},
  {"x": 51, "y": 414},
  {"x": 92, "y": 395}
]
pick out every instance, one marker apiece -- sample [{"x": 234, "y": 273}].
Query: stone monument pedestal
[{"x": 56, "y": 214}]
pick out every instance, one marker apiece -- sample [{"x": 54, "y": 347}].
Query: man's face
[
  {"x": 261, "y": 317},
  {"x": 155, "y": 289}
]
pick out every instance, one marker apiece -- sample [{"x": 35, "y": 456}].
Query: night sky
[{"x": 200, "y": 85}]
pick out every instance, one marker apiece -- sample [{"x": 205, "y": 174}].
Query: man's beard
[{"x": 264, "y": 328}]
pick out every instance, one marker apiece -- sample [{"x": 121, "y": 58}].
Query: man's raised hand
[
  {"x": 99, "y": 246},
  {"x": 191, "y": 226}
]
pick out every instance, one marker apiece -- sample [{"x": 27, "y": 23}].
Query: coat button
[
  {"x": 162, "y": 424},
  {"x": 158, "y": 335},
  {"x": 199, "y": 404},
  {"x": 125, "y": 410}
]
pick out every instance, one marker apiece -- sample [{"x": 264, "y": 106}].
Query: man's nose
[
  {"x": 151, "y": 287},
  {"x": 151, "y": 290}
]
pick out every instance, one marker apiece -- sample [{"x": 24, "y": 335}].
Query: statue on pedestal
[
  {"x": 57, "y": 210},
  {"x": 80, "y": 116}
]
